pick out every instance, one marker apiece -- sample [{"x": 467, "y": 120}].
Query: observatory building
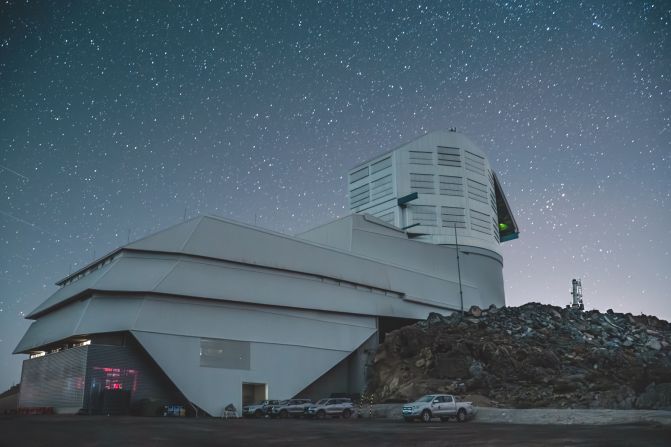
[{"x": 211, "y": 312}]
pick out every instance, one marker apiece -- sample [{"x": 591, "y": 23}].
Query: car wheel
[
  {"x": 461, "y": 415},
  {"x": 426, "y": 416},
  {"x": 284, "y": 414},
  {"x": 408, "y": 419},
  {"x": 258, "y": 414},
  {"x": 321, "y": 414},
  {"x": 346, "y": 413}
]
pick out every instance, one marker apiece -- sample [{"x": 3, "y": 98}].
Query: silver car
[
  {"x": 335, "y": 407},
  {"x": 443, "y": 406},
  {"x": 258, "y": 409},
  {"x": 290, "y": 407}
]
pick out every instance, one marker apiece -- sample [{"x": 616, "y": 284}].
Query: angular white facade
[
  {"x": 212, "y": 310},
  {"x": 433, "y": 186}
]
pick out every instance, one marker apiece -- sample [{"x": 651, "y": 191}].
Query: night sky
[{"x": 118, "y": 119}]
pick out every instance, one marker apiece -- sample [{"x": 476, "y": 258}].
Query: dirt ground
[{"x": 94, "y": 431}]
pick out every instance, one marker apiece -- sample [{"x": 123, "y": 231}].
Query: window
[{"x": 229, "y": 354}]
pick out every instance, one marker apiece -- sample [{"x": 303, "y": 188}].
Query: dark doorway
[{"x": 254, "y": 392}]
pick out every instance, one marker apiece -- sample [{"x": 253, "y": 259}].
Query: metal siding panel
[
  {"x": 264, "y": 287},
  {"x": 54, "y": 380},
  {"x": 233, "y": 322},
  {"x": 88, "y": 281},
  {"x": 109, "y": 314},
  {"x": 170, "y": 239},
  {"x": 135, "y": 273}
]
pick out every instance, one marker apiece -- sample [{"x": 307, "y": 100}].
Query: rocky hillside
[{"x": 530, "y": 356}]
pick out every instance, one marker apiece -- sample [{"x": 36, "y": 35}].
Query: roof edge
[{"x": 358, "y": 165}]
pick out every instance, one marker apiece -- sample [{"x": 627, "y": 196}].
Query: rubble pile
[{"x": 530, "y": 356}]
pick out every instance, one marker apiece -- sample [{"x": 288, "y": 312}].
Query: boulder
[
  {"x": 653, "y": 343},
  {"x": 475, "y": 311}
]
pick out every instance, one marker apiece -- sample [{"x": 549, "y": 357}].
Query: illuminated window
[{"x": 116, "y": 378}]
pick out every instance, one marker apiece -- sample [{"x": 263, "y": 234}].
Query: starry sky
[{"x": 118, "y": 119}]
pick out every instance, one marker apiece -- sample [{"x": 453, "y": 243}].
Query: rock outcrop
[{"x": 530, "y": 356}]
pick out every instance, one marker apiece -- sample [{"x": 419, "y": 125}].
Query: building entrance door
[{"x": 254, "y": 392}]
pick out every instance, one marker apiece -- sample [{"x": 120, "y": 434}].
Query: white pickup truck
[{"x": 443, "y": 406}]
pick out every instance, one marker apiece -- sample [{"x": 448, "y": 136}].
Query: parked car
[
  {"x": 258, "y": 409},
  {"x": 290, "y": 407},
  {"x": 330, "y": 407},
  {"x": 443, "y": 406}
]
